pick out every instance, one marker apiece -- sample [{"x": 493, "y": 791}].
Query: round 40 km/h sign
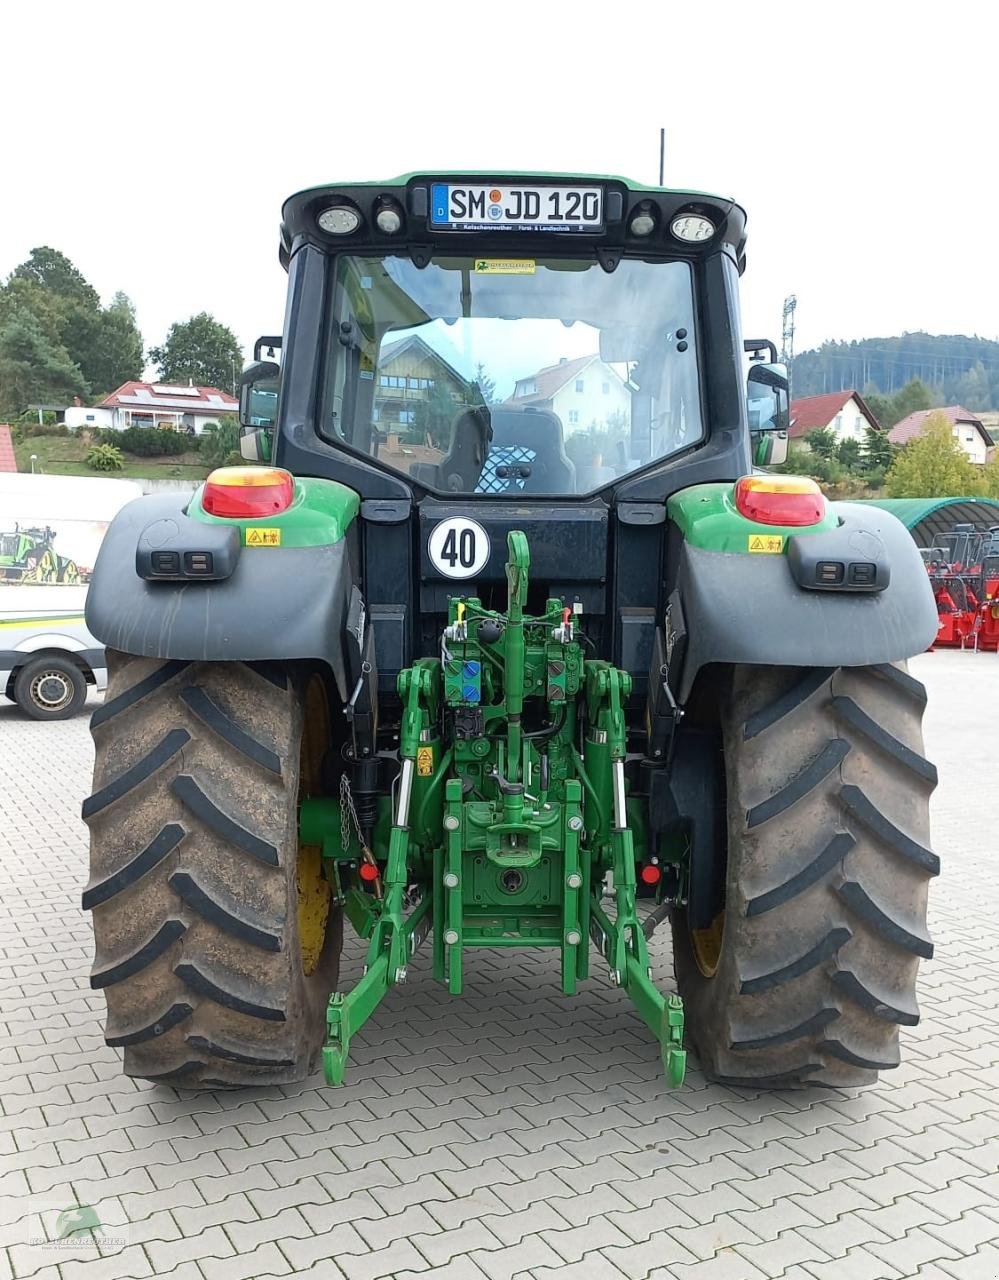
[{"x": 458, "y": 547}]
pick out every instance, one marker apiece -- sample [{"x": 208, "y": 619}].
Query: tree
[
  {"x": 53, "y": 272},
  {"x": 118, "y": 356},
  {"x": 973, "y": 389},
  {"x": 878, "y": 449},
  {"x": 200, "y": 350},
  {"x": 485, "y": 384},
  {"x": 881, "y": 406},
  {"x": 33, "y": 368},
  {"x": 104, "y": 343},
  {"x": 849, "y": 454},
  {"x": 990, "y": 477},
  {"x": 805, "y": 462},
  {"x": 914, "y": 396},
  {"x": 219, "y": 443},
  {"x": 822, "y": 442},
  {"x": 934, "y": 465},
  {"x": 434, "y": 416}
]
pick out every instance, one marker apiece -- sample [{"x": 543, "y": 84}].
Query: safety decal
[
  {"x": 259, "y": 537},
  {"x": 767, "y": 543}
]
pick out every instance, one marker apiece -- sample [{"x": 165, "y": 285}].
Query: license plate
[{"x": 490, "y": 207}]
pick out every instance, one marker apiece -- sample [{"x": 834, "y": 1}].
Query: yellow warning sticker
[
  {"x": 424, "y": 761},
  {"x": 260, "y": 537},
  {"x": 767, "y": 543},
  {"x": 504, "y": 266}
]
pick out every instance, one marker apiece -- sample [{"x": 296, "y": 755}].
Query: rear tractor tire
[
  {"x": 216, "y": 945},
  {"x": 808, "y": 967}
]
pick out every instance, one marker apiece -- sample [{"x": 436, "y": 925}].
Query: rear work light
[
  {"x": 248, "y": 491},
  {"x": 788, "y": 500}
]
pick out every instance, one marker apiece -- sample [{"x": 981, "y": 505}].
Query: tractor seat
[
  {"x": 526, "y": 454},
  {"x": 461, "y": 467}
]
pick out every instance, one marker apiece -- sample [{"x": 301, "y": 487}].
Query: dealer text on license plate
[{"x": 476, "y": 207}]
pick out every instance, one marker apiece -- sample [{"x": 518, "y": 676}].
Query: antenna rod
[{"x": 662, "y": 154}]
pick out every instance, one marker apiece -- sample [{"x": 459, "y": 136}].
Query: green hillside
[{"x": 956, "y": 369}]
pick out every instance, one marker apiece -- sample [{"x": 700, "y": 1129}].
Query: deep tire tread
[
  {"x": 204, "y": 985},
  {"x": 142, "y": 957},
  {"x": 860, "y": 807},
  {"x": 136, "y": 774},
  {"x": 844, "y": 1054},
  {"x": 209, "y": 713},
  {"x": 863, "y": 905},
  {"x": 230, "y": 1053},
  {"x": 817, "y": 1022},
  {"x": 115, "y": 706},
  {"x": 848, "y": 711},
  {"x": 801, "y": 965},
  {"x": 186, "y": 789},
  {"x": 851, "y": 986},
  {"x": 811, "y": 776},
  {"x": 774, "y": 712},
  {"x": 903, "y": 682},
  {"x": 831, "y": 856},
  {"x": 152, "y": 855},
  {"x": 173, "y": 1017},
  {"x": 228, "y": 916}
]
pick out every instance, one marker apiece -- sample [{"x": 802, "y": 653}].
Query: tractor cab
[
  {"x": 513, "y": 337},
  {"x": 555, "y": 354}
]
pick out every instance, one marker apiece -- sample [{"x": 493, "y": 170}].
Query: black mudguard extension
[
  {"x": 280, "y": 603},
  {"x": 748, "y": 608}
]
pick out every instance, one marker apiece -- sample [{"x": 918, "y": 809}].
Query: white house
[
  {"x": 842, "y": 412},
  {"x": 582, "y": 392},
  {"x": 967, "y": 429},
  {"x": 153, "y": 404}
]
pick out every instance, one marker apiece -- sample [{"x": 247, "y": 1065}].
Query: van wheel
[{"x": 50, "y": 688}]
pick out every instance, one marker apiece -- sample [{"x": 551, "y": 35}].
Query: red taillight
[
  {"x": 248, "y": 491},
  {"x": 368, "y": 871},
  {"x": 787, "y": 500},
  {"x": 649, "y": 873}
]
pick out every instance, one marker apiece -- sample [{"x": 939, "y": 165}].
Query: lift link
[
  {"x": 393, "y": 939},
  {"x": 622, "y": 939}
]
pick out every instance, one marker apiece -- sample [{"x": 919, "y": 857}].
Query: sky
[{"x": 153, "y": 142}]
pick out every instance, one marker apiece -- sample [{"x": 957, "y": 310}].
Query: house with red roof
[
  {"x": 843, "y": 412},
  {"x": 968, "y": 430},
  {"x": 582, "y": 392},
  {"x": 156, "y": 404}
]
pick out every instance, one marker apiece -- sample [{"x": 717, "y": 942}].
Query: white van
[{"x": 50, "y": 530}]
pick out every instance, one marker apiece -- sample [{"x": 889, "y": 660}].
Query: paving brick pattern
[{"x": 510, "y": 1133}]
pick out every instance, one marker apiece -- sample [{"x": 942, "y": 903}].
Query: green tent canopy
[{"x": 928, "y": 519}]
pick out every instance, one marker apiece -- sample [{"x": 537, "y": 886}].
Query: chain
[
  {"x": 348, "y": 817},
  {"x": 347, "y": 813}
]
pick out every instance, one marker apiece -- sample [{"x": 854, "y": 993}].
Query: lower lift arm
[{"x": 622, "y": 940}]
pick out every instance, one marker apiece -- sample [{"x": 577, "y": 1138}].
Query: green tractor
[
  {"x": 29, "y": 556},
  {"x": 507, "y": 640}
]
